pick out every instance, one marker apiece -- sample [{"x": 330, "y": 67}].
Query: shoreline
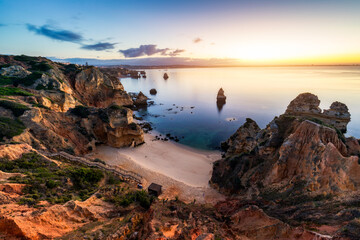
[{"x": 183, "y": 172}]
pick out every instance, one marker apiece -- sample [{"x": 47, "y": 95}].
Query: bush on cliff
[
  {"x": 4, "y": 80},
  {"x": 13, "y": 91},
  {"x": 10, "y": 128},
  {"x": 46, "y": 180},
  {"x": 16, "y": 108}
]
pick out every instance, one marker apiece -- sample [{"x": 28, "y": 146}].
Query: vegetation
[
  {"x": 28, "y": 80},
  {"x": 10, "y": 128},
  {"x": 124, "y": 200},
  {"x": 49, "y": 86},
  {"x": 13, "y": 91},
  {"x": 17, "y": 108},
  {"x": 4, "y": 80},
  {"x": 40, "y": 106},
  {"x": 46, "y": 180},
  {"x": 24, "y": 58},
  {"x": 80, "y": 111},
  {"x": 338, "y": 132},
  {"x": 40, "y": 66}
]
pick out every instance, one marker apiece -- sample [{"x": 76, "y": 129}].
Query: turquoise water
[{"x": 185, "y": 104}]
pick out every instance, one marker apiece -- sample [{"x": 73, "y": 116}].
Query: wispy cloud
[
  {"x": 149, "y": 50},
  {"x": 176, "y": 52},
  {"x": 197, "y": 40},
  {"x": 101, "y": 46},
  {"x": 57, "y": 34}
]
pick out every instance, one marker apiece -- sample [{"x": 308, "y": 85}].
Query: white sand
[{"x": 183, "y": 171}]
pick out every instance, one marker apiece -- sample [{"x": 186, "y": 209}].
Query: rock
[
  {"x": 14, "y": 151},
  {"x": 141, "y": 99},
  {"x": 243, "y": 140},
  {"x": 220, "y": 96},
  {"x": 101, "y": 90},
  {"x": 166, "y": 76},
  {"x": 306, "y": 105},
  {"x": 153, "y": 91},
  {"x": 293, "y": 149},
  {"x": 14, "y": 71}
]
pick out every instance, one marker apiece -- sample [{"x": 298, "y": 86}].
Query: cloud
[
  {"x": 101, "y": 46},
  {"x": 197, "y": 40},
  {"x": 176, "y": 52},
  {"x": 145, "y": 50},
  {"x": 57, "y": 34}
]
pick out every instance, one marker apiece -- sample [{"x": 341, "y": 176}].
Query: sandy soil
[{"x": 182, "y": 171}]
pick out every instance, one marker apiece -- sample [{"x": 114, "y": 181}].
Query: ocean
[{"x": 185, "y": 104}]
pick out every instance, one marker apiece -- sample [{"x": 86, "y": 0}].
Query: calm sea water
[{"x": 185, "y": 104}]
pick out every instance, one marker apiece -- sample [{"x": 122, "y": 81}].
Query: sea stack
[
  {"x": 221, "y": 98},
  {"x": 166, "y": 76}
]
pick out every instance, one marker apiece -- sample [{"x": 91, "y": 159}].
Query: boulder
[
  {"x": 141, "y": 99},
  {"x": 166, "y": 76},
  {"x": 14, "y": 71},
  {"x": 153, "y": 91}
]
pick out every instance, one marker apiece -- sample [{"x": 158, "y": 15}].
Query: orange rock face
[{"x": 99, "y": 89}]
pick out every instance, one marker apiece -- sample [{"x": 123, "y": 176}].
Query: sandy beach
[{"x": 182, "y": 171}]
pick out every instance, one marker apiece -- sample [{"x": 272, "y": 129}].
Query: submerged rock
[
  {"x": 166, "y": 76},
  {"x": 153, "y": 91}
]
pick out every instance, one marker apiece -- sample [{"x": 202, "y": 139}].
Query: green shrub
[
  {"x": 28, "y": 80},
  {"x": 4, "y": 80},
  {"x": 49, "y": 86},
  {"x": 80, "y": 111},
  {"x": 40, "y": 66},
  {"x": 10, "y": 128},
  {"x": 40, "y": 106},
  {"x": 12, "y": 91},
  {"x": 46, "y": 180},
  {"x": 24, "y": 58},
  {"x": 17, "y": 108},
  {"x": 85, "y": 177}
]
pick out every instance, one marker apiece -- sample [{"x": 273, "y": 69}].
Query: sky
[{"x": 227, "y": 31}]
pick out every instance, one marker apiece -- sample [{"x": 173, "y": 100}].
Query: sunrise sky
[{"x": 235, "y": 32}]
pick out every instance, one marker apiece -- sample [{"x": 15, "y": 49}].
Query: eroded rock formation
[
  {"x": 46, "y": 93},
  {"x": 307, "y": 105},
  {"x": 300, "y": 157}
]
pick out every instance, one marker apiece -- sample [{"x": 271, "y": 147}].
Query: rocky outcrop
[
  {"x": 307, "y": 105},
  {"x": 141, "y": 99},
  {"x": 50, "y": 93},
  {"x": 102, "y": 90},
  {"x": 221, "y": 96},
  {"x": 297, "y": 169},
  {"x": 14, "y": 151},
  {"x": 14, "y": 71},
  {"x": 243, "y": 140},
  {"x": 291, "y": 149}
]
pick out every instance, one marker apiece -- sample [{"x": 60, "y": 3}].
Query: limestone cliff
[
  {"x": 44, "y": 97},
  {"x": 300, "y": 159}
]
